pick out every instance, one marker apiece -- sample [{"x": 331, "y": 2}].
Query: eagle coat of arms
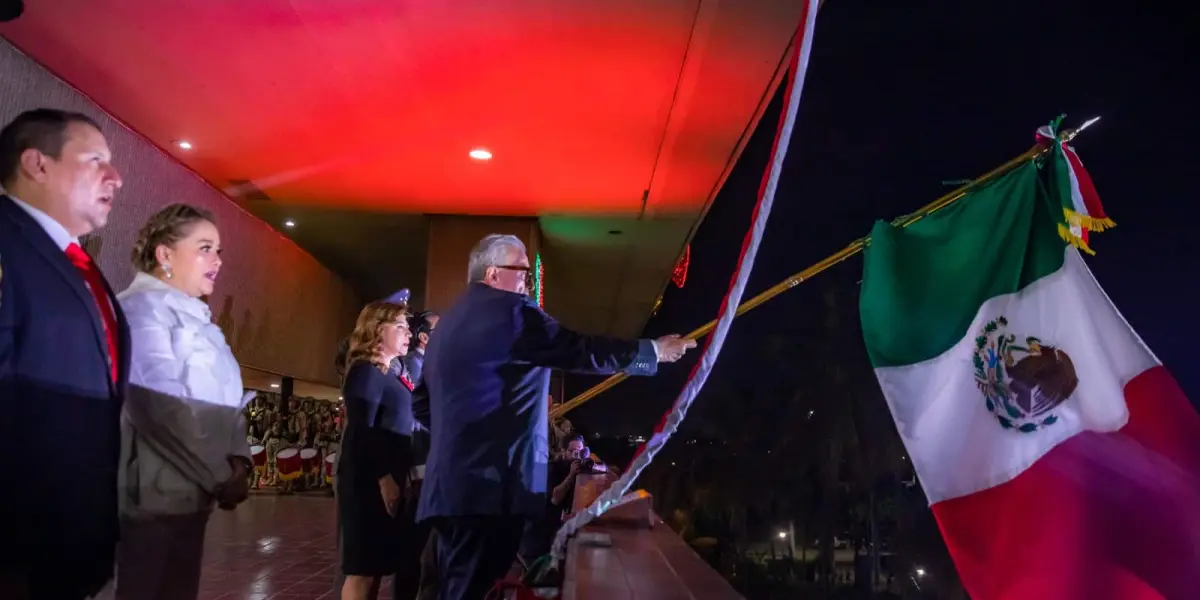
[{"x": 1021, "y": 385}]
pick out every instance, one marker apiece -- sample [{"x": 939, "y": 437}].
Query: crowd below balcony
[{"x": 311, "y": 428}]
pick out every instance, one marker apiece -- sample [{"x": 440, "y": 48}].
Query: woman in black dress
[{"x": 375, "y": 456}]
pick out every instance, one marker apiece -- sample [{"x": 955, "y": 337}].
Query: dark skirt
[{"x": 371, "y": 541}]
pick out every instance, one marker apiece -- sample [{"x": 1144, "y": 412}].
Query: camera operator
[
  {"x": 573, "y": 460},
  {"x": 565, "y": 467}
]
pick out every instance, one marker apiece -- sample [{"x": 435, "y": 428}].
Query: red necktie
[{"x": 95, "y": 283}]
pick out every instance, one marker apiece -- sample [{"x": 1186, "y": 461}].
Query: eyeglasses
[{"x": 521, "y": 268}]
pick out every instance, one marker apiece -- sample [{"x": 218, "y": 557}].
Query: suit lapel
[{"x": 40, "y": 240}]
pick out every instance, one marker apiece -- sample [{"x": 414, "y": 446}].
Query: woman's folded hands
[{"x": 236, "y": 489}]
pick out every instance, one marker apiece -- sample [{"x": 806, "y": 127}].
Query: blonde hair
[
  {"x": 165, "y": 228},
  {"x": 367, "y": 338}
]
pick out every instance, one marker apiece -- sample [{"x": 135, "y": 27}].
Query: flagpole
[{"x": 854, "y": 248}]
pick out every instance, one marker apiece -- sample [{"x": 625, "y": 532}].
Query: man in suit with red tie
[{"x": 64, "y": 352}]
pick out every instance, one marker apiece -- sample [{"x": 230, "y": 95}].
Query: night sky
[{"x": 902, "y": 96}]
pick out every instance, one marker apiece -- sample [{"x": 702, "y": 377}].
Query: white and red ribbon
[
  {"x": 614, "y": 495},
  {"x": 1085, "y": 212}
]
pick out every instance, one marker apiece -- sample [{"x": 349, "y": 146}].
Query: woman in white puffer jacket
[{"x": 184, "y": 443}]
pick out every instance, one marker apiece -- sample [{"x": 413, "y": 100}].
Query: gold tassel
[
  {"x": 1064, "y": 232},
  {"x": 1085, "y": 222}
]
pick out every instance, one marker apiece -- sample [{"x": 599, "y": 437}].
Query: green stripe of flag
[{"x": 923, "y": 285}]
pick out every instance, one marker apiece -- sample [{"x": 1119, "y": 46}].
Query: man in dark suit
[
  {"x": 422, "y": 326},
  {"x": 488, "y": 374},
  {"x": 427, "y": 577},
  {"x": 64, "y": 355},
  {"x": 414, "y": 574}
]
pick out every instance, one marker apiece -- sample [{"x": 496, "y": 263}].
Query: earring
[{"x": 167, "y": 270}]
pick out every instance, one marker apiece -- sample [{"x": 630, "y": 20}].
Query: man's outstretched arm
[{"x": 541, "y": 340}]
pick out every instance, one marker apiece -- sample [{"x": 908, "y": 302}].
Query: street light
[
  {"x": 920, "y": 572},
  {"x": 783, "y": 535}
]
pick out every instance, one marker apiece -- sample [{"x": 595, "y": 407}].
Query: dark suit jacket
[
  {"x": 414, "y": 365},
  {"x": 488, "y": 375},
  {"x": 61, "y": 412},
  {"x": 421, "y": 438}
]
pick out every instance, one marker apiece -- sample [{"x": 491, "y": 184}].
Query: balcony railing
[{"x": 631, "y": 553}]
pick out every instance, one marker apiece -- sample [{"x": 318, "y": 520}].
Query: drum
[
  {"x": 258, "y": 457},
  {"x": 308, "y": 461},
  {"x": 288, "y": 464},
  {"x": 330, "y": 461}
]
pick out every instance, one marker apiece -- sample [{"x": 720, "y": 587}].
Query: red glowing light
[{"x": 679, "y": 275}]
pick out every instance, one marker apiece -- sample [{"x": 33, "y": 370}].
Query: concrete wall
[{"x": 281, "y": 310}]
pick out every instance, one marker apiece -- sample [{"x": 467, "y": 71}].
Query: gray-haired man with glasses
[{"x": 488, "y": 377}]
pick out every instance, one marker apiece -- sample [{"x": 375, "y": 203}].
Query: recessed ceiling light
[
  {"x": 184, "y": 145},
  {"x": 274, "y": 385},
  {"x": 289, "y": 223},
  {"x": 480, "y": 154}
]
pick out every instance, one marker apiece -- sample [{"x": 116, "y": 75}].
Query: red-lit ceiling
[{"x": 373, "y": 105}]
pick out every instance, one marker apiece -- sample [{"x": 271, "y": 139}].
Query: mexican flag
[{"x": 1060, "y": 458}]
